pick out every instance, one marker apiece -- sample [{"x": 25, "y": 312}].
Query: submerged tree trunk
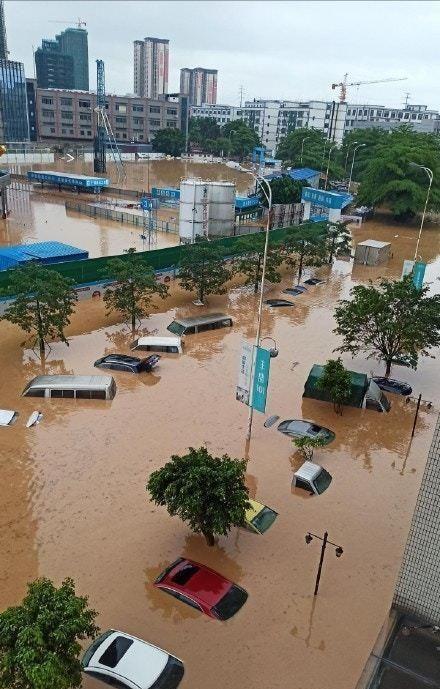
[
  {"x": 257, "y": 275},
  {"x": 41, "y": 343},
  {"x": 388, "y": 367},
  {"x": 300, "y": 266},
  {"x": 209, "y": 537}
]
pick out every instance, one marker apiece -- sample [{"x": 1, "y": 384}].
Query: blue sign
[
  {"x": 246, "y": 202},
  {"x": 166, "y": 193},
  {"x": 418, "y": 274},
  {"x": 261, "y": 379},
  {"x": 324, "y": 199},
  {"x": 146, "y": 204}
]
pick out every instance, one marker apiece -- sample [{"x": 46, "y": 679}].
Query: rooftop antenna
[
  {"x": 407, "y": 98},
  {"x": 241, "y": 91}
]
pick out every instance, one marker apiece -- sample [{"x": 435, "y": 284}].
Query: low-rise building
[
  {"x": 67, "y": 115},
  {"x": 222, "y": 114},
  {"x": 366, "y": 116}
]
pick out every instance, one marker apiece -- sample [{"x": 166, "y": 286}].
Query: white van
[
  {"x": 79, "y": 387},
  {"x": 171, "y": 345},
  {"x": 311, "y": 477}
]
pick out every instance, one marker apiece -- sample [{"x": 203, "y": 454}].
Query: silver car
[{"x": 298, "y": 428}]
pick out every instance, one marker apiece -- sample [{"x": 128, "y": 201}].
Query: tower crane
[
  {"x": 78, "y": 23},
  {"x": 343, "y": 85}
]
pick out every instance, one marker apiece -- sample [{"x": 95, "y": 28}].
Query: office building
[
  {"x": 3, "y": 43},
  {"x": 418, "y": 116},
  {"x": 31, "y": 93},
  {"x": 220, "y": 113},
  {"x": 14, "y": 124},
  {"x": 64, "y": 115},
  {"x": 199, "y": 84},
  {"x": 63, "y": 62},
  {"x": 151, "y": 67}
]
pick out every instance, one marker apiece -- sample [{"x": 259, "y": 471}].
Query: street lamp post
[
  {"x": 338, "y": 551},
  {"x": 328, "y": 165},
  {"x": 267, "y": 191},
  {"x": 353, "y": 143},
  {"x": 302, "y": 148},
  {"x": 352, "y": 164},
  {"x": 430, "y": 174}
]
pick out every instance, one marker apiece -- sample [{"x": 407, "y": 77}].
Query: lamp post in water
[
  {"x": 267, "y": 192},
  {"x": 353, "y": 143},
  {"x": 352, "y": 164},
  {"x": 430, "y": 174},
  {"x": 338, "y": 551}
]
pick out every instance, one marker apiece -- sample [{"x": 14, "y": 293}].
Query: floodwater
[{"x": 74, "y": 503}]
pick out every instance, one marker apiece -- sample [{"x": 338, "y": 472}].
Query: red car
[{"x": 202, "y": 588}]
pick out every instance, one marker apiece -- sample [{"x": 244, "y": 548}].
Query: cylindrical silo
[
  {"x": 193, "y": 209},
  {"x": 221, "y": 209}
]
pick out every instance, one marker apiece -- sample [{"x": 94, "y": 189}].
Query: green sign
[
  {"x": 418, "y": 274},
  {"x": 260, "y": 379}
]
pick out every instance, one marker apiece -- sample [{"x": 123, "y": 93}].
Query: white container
[{"x": 206, "y": 209}]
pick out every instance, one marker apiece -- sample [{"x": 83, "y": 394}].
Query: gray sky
[{"x": 292, "y": 50}]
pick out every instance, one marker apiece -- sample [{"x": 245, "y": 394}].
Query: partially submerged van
[
  {"x": 188, "y": 326},
  {"x": 79, "y": 387},
  {"x": 311, "y": 477},
  {"x": 170, "y": 345}
]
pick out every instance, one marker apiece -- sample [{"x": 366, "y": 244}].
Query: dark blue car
[{"x": 391, "y": 385}]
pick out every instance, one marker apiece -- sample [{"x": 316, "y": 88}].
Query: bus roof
[
  {"x": 159, "y": 341},
  {"x": 72, "y": 381},
  {"x": 199, "y": 320}
]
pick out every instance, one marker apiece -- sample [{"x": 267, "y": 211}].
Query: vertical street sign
[
  {"x": 243, "y": 388},
  {"x": 260, "y": 379},
  {"x": 418, "y": 274},
  {"x": 407, "y": 268}
]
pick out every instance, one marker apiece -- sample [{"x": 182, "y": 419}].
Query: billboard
[
  {"x": 260, "y": 379},
  {"x": 243, "y": 389}
]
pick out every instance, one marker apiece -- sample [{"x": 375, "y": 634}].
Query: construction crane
[
  {"x": 78, "y": 23},
  {"x": 343, "y": 85},
  {"x": 104, "y": 133}
]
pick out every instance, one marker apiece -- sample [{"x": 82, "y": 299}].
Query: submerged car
[
  {"x": 311, "y": 477},
  {"x": 124, "y": 362},
  {"x": 392, "y": 385},
  {"x": 279, "y": 302},
  {"x": 259, "y": 518},
  {"x": 122, "y": 660},
  {"x": 313, "y": 281},
  {"x": 294, "y": 291},
  {"x": 7, "y": 417},
  {"x": 298, "y": 428},
  {"x": 202, "y": 589}
]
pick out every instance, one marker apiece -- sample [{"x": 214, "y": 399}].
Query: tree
[
  {"x": 44, "y": 301},
  {"x": 305, "y": 246},
  {"x": 250, "y": 252},
  {"x": 307, "y": 446},
  {"x": 309, "y": 142},
  {"x": 170, "y": 141},
  {"x": 207, "y": 492},
  {"x": 39, "y": 639},
  {"x": 201, "y": 130},
  {"x": 242, "y": 137},
  {"x": 338, "y": 239},
  {"x": 136, "y": 284},
  {"x": 390, "y": 181},
  {"x": 284, "y": 190},
  {"x": 371, "y": 138},
  {"x": 392, "y": 320},
  {"x": 336, "y": 381},
  {"x": 202, "y": 269}
]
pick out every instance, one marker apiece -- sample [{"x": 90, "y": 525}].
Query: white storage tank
[{"x": 207, "y": 209}]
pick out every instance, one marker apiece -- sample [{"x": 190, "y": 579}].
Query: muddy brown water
[{"x": 74, "y": 502}]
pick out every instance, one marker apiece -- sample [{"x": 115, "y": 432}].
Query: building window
[
  {"x": 64, "y": 131},
  {"x": 138, "y": 120},
  {"x": 52, "y": 130},
  {"x": 171, "y": 111},
  {"x": 66, "y": 115},
  {"x": 71, "y": 131},
  {"x": 154, "y": 108},
  {"x": 171, "y": 125},
  {"x": 89, "y": 133},
  {"x": 48, "y": 113},
  {"x": 84, "y": 104},
  {"x": 85, "y": 117},
  {"x": 121, "y": 120},
  {"x": 47, "y": 101},
  {"x": 82, "y": 132},
  {"x": 154, "y": 123},
  {"x": 66, "y": 101},
  {"x": 121, "y": 107},
  {"x": 138, "y": 108}
]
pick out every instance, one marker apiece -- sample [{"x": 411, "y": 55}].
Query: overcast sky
[{"x": 291, "y": 50}]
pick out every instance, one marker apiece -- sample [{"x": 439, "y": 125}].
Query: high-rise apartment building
[
  {"x": 199, "y": 84},
  {"x": 64, "y": 61},
  {"x": 151, "y": 57},
  {"x": 3, "y": 43}
]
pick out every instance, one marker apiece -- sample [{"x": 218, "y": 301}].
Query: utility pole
[
  {"x": 241, "y": 91},
  {"x": 338, "y": 551}
]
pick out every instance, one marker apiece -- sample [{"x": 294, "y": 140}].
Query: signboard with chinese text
[
  {"x": 260, "y": 379},
  {"x": 243, "y": 389}
]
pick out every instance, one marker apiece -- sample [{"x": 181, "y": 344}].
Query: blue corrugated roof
[
  {"x": 11, "y": 256},
  {"x": 52, "y": 249},
  {"x": 300, "y": 173}
]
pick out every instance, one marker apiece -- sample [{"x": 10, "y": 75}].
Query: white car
[
  {"x": 311, "y": 477},
  {"x": 7, "y": 417},
  {"x": 124, "y": 661}
]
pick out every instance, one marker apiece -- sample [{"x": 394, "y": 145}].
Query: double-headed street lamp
[
  {"x": 353, "y": 143},
  {"x": 430, "y": 174},
  {"x": 328, "y": 164},
  {"x": 267, "y": 192},
  {"x": 338, "y": 551},
  {"x": 302, "y": 147},
  {"x": 352, "y": 164}
]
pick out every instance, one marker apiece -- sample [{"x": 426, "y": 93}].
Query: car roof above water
[
  {"x": 66, "y": 381},
  {"x": 199, "y": 320},
  {"x": 308, "y": 471}
]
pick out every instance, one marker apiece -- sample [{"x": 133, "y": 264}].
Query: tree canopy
[
  {"x": 39, "y": 639},
  {"x": 250, "y": 250},
  {"x": 136, "y": 284},
  {"x": 233, "y": 138},
  {"x": 305, "y": 246},
  {"x": 170, "y": 141},
  {"x": 390, "y": 181},
  {"x": 336, "y": 380},
  {"x": 310, "y": 141},
  {"x": 372, "y": 138},
  {"x": 44, "y": 302},
  {"x": 202, "y": 269},
  {"x": 207, "y": 492},
  {"x": 391, "y": 320},
  {"x": 338, "y": 239},
  {"x": 284, "y": 190}
]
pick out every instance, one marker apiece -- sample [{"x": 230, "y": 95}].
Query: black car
[
  {"x": 293, "y": 291},
  {"x": 131, "y": 364},
  {"x": 313, "y": 281},
  {"x": 279, "y": 302},
  {"x": 391, "y": 385}
]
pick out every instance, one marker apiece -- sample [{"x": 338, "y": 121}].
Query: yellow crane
[
  {"x": 343, "y": 85},
  {"x": 78, "y": 23}
]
